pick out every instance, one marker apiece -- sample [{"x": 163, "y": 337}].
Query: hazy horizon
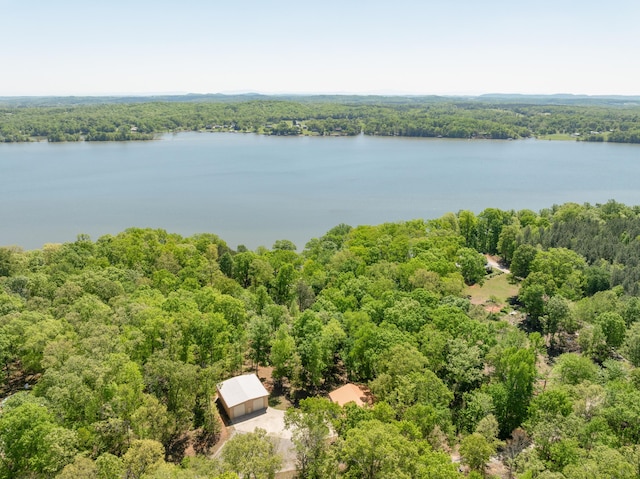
[
  {"x": 316, "y": 93},
  {"x": 74, "y": 48}
]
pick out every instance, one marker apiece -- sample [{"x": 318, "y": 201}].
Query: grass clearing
[
  {"x": 497, "y": 287},
  {"x": 557, "y": 136}
]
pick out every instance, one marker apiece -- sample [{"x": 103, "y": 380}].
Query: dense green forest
[
  {"x": 121, "y": 119},
  {"x": 111, "y": 350}
]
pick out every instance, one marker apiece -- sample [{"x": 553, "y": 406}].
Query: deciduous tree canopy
[{"x": 121, "y": 342}]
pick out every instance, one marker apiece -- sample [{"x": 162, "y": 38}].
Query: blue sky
[{"x": 70, "y": 47}]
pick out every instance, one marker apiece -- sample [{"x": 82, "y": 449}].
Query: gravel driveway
[{"x": 272, "y": 421}]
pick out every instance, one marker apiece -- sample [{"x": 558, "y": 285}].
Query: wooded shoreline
[
  {"x": 122, "y": 341},
  {"x": 122, "y": 119}
]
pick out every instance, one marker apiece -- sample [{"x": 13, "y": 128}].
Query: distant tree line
[{"x": 118, "y": 120}]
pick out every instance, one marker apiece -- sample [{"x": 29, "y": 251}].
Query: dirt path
[{"x": 493, "y": 262}]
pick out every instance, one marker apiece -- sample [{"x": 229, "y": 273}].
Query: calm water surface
[{"x": 254, "y": 189}]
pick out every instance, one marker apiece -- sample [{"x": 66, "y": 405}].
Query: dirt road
[{"x": 493, "y": 262}]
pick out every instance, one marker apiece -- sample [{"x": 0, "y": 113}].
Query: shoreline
[{"x": 158, "y": 136}]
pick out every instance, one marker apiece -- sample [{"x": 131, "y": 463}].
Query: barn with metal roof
[{"x": 242, "y": 395}]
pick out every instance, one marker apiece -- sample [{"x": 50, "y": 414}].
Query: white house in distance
[{"x": 242, "y": 395}]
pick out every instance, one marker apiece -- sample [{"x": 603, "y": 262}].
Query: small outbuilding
[
  {"x": 242, "y": 395},
  {"x": 348, "y": 393}
]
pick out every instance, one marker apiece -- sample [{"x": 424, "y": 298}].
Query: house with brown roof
[{"x": 348, "y": 393}]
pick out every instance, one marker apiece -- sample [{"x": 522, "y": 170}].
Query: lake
[{"x": 252, "y": 189}]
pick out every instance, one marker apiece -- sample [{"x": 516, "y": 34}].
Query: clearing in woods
[{"x": 494, "y": 294}]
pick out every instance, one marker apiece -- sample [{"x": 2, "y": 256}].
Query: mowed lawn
[
  {"x": 497, "y": 288},
  {"x": 557, "y": 136}
]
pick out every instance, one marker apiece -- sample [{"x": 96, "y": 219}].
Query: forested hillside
[
  {"x": 111, "y": 350},
  {"x": 122, "y": 119}
]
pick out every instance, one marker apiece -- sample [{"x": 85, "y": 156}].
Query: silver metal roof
[{"x": 240, "y": 389}]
